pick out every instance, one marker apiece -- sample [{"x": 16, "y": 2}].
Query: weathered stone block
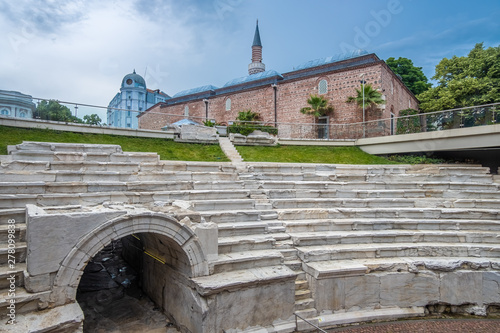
[
  {"x": 362, "y": 291},
  {"x": 461, "y": 287},
  {"x": 408, "y": 289},
  {"x": 491, "y": 288},
  {"x": 328, "y": 294},
  {"x": 207, "y": 234},
  {"x": 61, "y": 233},
  {"x": 39, "y": 283}
]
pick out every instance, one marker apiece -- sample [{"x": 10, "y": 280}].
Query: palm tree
[
  {"x": 371, "y": 99},
  {"x": 319, "y": 106}
]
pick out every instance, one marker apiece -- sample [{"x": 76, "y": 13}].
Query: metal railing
[
  {"x": 318, "y": 329},
  {"x": 482, "y": 115},
  {"x": 417, "y": 122}
]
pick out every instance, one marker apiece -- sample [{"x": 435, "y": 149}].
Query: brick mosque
[{"x": 278, "y": 97}]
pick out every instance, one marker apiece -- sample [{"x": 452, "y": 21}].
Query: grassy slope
[
  {"x": 167, "y": 149},
  {"x": 309, "y": 154},
  {"x": 170, "y": 150}
]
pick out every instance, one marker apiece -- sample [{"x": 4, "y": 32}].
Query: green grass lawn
[
  {"x": 171, "y": 150},
  {"x": 167, "y": 149},
  {"x": 309, "y": 154}
]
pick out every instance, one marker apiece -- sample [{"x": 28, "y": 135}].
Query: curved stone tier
[{"x": 244, "y": 247}]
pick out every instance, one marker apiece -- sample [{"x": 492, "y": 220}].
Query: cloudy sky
[{"x": 79, "y": 50}]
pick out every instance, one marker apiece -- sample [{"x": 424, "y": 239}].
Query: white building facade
[
  {"x": 16, "y": 104},
  {"x": 133, "y": 99}
]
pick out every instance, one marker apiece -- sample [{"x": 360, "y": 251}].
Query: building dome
[{"x": 133, "y": 80}]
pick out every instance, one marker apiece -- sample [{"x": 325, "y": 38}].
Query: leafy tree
[
  {"x": 410, "y": 124},
  {"x": 371, "y": 98},
  {"x": 52, "y": 110},
  {"x": 92, "y": 119},
  {"x": 412, "y": 76},
  {"x": 465, "y": 81},
  {"x": 318, "y": 106}
]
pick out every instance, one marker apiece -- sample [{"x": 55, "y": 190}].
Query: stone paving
[{"x": 428, "y": 326}]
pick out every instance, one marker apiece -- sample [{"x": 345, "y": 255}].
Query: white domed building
[
  {"x": 133, "y": 99},
  {"x": 16, "y": 104}
]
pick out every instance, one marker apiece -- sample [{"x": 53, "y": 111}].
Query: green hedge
[{"x": 246, "y": 129}]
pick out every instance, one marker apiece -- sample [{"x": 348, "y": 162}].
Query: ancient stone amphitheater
[{"x": 244, "y": 249}]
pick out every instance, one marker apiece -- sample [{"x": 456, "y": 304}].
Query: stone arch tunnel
[{"x": 163, "y": 237}]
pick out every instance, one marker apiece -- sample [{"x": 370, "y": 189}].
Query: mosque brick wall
[{"x": 292, "y": 95}]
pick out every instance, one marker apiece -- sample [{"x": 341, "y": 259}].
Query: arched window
[
  {"x": 228, "y": 104},
  {"x": 22, "y": 114},
  {"x": 186, "y": 111},
  {"x": 5, "y": 112},
  {"x": 322, "y": 87}
]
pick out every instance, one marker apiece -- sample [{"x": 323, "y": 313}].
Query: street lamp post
[{"x": 363, "y": 87}]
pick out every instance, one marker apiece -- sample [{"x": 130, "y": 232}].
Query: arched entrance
[{"x": 171, "y": 255}]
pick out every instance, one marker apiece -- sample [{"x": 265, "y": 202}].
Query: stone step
[
  {"x": 24, "y": 165},
  {"x": 41, "y": 187},
  {"x": 236, "y": 261},
  {"x": 356, "y": 267},
  {"x": 294, "y": 264},
  {"x": 323, "y": 225},
  {"x": 66, "y": 318},
  {"x": 17, "y": 215},
  {"x": 204, "y": 200},
  {"x": 19, "y": 249},
  {"x": 302, "y": 294},
  {"x": 97, "y": 156},
  {"x": 307, "y": 313},
  {"x": 304, "y": 304},
  {"x": 334, "y": 202},
  {"x": 238, "y": 279},
  {"x": 301, "y": 285},
  {"x": 18, "y": 230},
  {"x": 24, "y": 301},
  {"x": 364, "y": 169},
  {"x": 389, "y": 213},
  {"x": 233, "y": 204},
  {"x": 277, "y": 229},
  {"x": 393, "y": 236},
  {"x": 113, "y": 176},
  {"x": 197, "y": 166},
  {"x": 242, "y": 228},
  {"x": 380, "y": 250},
  {"x": 461, "y": 178},
  {"x": 290, "y": 177},
  {"x": 448, "y": 169},
  {"x": 289, "y": 254},
  {"x": 374, "y": 185},
  {"x": 232, "y": 216},
  {"x": 65, "y": 147},
  {"x": 367, "y": 315},
  {"x": 218, "y": 185},
  {"x": 376, "y": 193},
  {"x": 301, "y": 275},
  {"x": 229, "y": 245},
  {"x": 97, "y": 166},
  {"x": 17, "y": 271},
  {"x": 363, "y": 177},
  {"x": 93, "y": 198},
  {"x": 229, "y": 149}
]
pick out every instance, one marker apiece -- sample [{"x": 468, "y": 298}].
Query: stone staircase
[{"x": 357, "y": 224}]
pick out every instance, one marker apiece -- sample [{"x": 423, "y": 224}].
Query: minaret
[{"x": 256, "y": 66}]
